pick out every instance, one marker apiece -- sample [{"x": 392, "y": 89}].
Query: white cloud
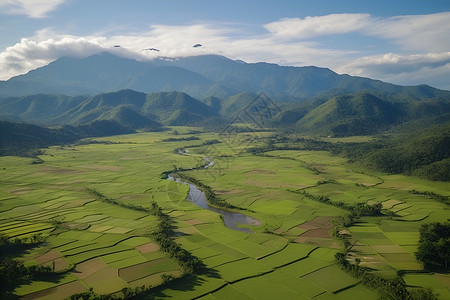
[
  {"x": 30, "y": 54},
  {"x": 392, "y": 62},
  {"x": 415, "y": 32},
  {"x": 296, "y": 28},
  {"x": 412, "y": 32},
  {"x": 410, "y": 69},
  {"x": 30, "y": 8}
]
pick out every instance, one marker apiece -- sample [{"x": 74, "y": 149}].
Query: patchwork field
[{"x": 108, "y": 246}]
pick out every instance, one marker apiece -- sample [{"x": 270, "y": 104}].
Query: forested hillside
[{"x": 425, "y": 153}]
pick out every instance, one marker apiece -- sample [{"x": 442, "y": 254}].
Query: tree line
[
  {"x": 425, "y": 154},
  {"x": 162, "y": 234},
  {"x": 13, "y": 272}
]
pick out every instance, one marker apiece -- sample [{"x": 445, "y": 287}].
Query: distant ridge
[{"x": 199, "y": 76}]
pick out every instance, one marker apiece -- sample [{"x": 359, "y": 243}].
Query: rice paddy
[{"x": 107, "y": 247}]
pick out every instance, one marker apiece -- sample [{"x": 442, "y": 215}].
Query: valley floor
[{"x": 108, "y": 246}]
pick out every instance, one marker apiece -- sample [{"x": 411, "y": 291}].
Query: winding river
[{"x": 231, "y": 219}]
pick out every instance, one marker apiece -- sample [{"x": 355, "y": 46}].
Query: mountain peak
[{"x": 200, "y": 76}]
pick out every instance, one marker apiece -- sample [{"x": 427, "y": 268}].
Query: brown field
[
  {"x": 258, "y": 171},
  {"x": 316, "y": 232},
  {"x": 139, "y": 271},
  {"x": 101, "y": 167},
  {"x": 443, "y": 278},
  {"x": 147, "y": 248},
  {"x": 19, "y": 191},
  {"x": 102, "y": 275},
  {"x": 194, "y": 222},
  {"x": 131, "y": 158},
  {"x": 48, "y": 256},
  {"x": 56, "y": 170},
  {"x": 228, "y": 192},
  {"x": 258, "y": 183},
  {"x": 87, "y": 268},
  {"x": 60, "y": 264}
]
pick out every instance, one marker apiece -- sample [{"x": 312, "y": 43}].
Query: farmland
[{"x": 108, "y": 246}]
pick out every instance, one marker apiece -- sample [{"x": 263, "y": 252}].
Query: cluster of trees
[
  {"x": 425, "y": 154},
  {"x": 9, "y": 246},
  {"x": 182, "y": 139},
  {"x": 141, "y": 292},
  {"x": 434, "y": 245},
  {"x": 163, "y": 235},
  {"x": 14, "y": 272},
  {"x": 388, "y": 288},
  {"x": 205, "y": 143},
  {"x": 103, "y": 198},
  {"x": 356, "y": 210},
  {"x": 282, "y": 142},
  {"x": 432, "y": 195}
]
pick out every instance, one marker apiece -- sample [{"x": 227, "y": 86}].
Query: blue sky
[{"x": 403, "y": 42}]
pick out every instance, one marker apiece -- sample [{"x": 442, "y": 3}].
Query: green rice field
[{"x": 105, "y": 246}]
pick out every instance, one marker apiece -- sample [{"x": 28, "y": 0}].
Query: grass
[
  {"x": 289, "y": 254},
  {"x": 331, "y": 278},
  {"x": 247, "y": 268},
  {"x": 42, "y": 285},
  {"x": 257, "y": 288},
  {"x": 52, "y": 198},
  {"x": 141, "y": 270}
]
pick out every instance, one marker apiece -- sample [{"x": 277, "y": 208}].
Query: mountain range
[
  {"x": 104, "y": 94},
  {"x": 199, "y": 76}
]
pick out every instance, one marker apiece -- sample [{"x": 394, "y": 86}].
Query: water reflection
[{"x": 231, "y": 219}]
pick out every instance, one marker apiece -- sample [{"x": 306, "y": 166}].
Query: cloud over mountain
[
  {"x": 399, "y": 68},
  {"x": 420, "y": 43}
]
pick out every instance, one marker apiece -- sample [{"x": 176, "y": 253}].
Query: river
[{"x": 231, "y": 219}]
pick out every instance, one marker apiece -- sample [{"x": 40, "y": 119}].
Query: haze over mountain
[{"x": 199, "y": 76}]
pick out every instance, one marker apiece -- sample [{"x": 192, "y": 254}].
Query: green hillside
[
  {"x": 129, "y": 108},
  {"x": 424, "y": 153},
  {"x": 24, "y": 139},
  {"x": 39, "y": 109},
  {"x": 359, "y": 114},
  {"x": 128, "y": 117}
]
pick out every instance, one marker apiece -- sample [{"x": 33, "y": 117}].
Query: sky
[{"x": 404, "y": 42}]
